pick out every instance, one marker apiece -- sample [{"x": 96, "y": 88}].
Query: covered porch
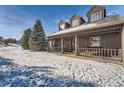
[
  {"x": 101, "y": 43},
  {"x": 62, "y": 44}
]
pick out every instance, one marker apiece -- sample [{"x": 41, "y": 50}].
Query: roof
[
  {"x": 62, "y": 22},
  {"x": 108, "y": 21},
  {"x": 75, "y": 17}
]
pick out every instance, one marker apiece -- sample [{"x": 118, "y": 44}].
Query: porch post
[
  {"x": 62, "y": 45},
  {"x": 76, "y": 40},
  {"x": 122, "y": 43},
  {"x": 48, "y": 45}
]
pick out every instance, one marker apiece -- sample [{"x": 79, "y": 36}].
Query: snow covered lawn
[{"x": 29, "y": 69}]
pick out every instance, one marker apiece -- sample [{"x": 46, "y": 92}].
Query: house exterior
[{"x": 102, "y": 36}]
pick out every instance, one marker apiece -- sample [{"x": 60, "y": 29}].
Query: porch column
[
  {"x": 48, "y": 45},
  {"x": 122, "y": 43},
  {"x": 62, "y": 45},
  {"x": 76, "y": 42}
]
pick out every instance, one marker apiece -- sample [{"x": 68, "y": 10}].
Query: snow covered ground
[{"x": 25, "y": 68}]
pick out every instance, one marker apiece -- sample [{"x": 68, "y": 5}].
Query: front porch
[{"x": 103, "y": 43}]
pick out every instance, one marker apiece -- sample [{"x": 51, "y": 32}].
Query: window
[
  {"x": 62, "y": 26},
  {"x": 75, "y": 22},
  {"x": 95, "y": 41},
  {"x": 96, "y": 16}
]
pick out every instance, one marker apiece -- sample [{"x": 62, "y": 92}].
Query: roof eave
[{"x": 94, "y": 27}]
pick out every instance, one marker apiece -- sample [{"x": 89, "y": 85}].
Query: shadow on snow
[{"x": 13, "y": 75}]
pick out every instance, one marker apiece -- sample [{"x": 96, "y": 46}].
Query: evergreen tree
[
  {"x": 6, "y": 41},
  {"x": 1, "y": 40},
  {"x": 37, "y": 39},
  {"x": 25, "y": 39},
  {"x": 11, "y": 40},
  {"x": 14, "y": 41}
]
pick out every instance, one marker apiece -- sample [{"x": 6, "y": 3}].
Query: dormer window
[
  {"x": 96, "y": 13},
  {"x": 95, "y": 16},
  {"x": 76, "y": 20},
  {"x": 62, "y": 26}
]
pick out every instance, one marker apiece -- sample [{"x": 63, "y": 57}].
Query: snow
[{"x": 24, "y": 68}]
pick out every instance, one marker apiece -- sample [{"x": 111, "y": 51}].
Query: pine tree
[
  {"x": 1, "y": 40},
  {"x": 25, "y": 39},
  {"x": 37, "y": 39}
]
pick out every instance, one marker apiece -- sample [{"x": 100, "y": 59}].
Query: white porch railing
[{"x": 113, "y": 54}]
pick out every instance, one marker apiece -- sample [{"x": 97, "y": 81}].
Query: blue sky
[{"x": 14, "y": 19}]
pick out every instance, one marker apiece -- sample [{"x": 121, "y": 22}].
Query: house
[{"x": 102, "y": 36}]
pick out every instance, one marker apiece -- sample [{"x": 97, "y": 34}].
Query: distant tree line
[
  {"x": 34, "y": 39},
  {"x": 10, "y": 40},
  {"x": 7, "y": 41}
]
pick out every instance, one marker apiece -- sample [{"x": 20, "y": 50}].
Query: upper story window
[
  {"x": 96, "y": 13},
  {"x": 75, "y": 22},
  {"x": 95, "y": 16},
  {"x": 62, "y": 26}
]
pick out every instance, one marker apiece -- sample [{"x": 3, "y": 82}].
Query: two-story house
[{"x": 101, "y": 36}]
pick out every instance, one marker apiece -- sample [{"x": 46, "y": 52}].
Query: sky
[{"x": 15, "y": 19}]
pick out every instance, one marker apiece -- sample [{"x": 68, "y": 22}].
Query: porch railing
[
  {"x": 113, "y": 54},
  {"x": 109, "y": 54}
]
